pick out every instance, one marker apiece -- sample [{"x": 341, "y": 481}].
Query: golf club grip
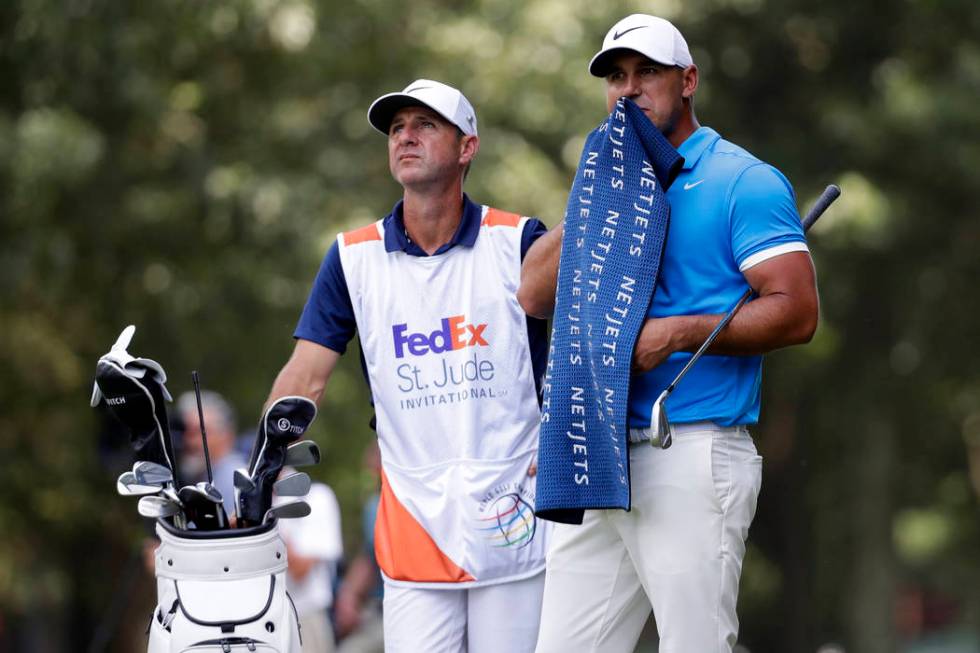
[{"x": 827, "y": 197}]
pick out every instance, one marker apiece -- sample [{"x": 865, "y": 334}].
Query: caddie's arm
[
  {"x": 539, "y": 274},
  {"x": 784, "y": 313},
  {"x": 305, "y": 373}
]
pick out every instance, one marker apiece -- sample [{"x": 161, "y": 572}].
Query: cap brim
[
  {"x": 601, "y": 64},
  {"x": 383, "y": 110}
]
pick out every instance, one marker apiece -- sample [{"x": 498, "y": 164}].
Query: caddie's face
[
  {"x": 426, "y": 149},
  {"x": 657, "y": 89}
]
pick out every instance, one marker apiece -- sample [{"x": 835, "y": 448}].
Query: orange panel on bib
[
  {"x": 362, "y": 235},
  {"x": 498, "y": 218},
  {"x": 405, "y": 551}
]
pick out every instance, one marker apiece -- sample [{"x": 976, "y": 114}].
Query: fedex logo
[{"x": 454, "y": 333}]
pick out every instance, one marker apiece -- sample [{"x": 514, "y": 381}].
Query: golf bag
[{"x": 222, "y": 592}]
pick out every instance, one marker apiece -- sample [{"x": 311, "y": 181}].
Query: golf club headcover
[
  {"x": 284, "y": 422},
  {"x": 133, "y": 390}
]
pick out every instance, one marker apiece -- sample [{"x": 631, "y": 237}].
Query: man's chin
[{"x": 412, "y": 177}]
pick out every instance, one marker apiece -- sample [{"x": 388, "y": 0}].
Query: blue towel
[{"x": 615, "y": 230}]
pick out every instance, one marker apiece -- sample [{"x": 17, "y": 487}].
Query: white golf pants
[
  {"x": 489, "y": 619},
  {"x": 679, "y": 550}
]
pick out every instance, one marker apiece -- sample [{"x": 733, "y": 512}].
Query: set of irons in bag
[{"x": 134, "y": 391}]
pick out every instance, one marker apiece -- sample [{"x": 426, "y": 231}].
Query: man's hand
[{"x": 657, "y": 341}]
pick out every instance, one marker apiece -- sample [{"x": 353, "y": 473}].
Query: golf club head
[
  {"x": 134, "y": 390},
  {"x": 128, "y": 486},
  {"x": 285, "y": 421},
  {"x": 209, "y": 491},
  {"x": 291, "y": 510},
  {"x": 151, "y": 473},
  {"x": 661, "y": 432},
  {"x": 201, "y": 507},
  {"x": 242, "y": 481},
  {"x": 294, "y": 485},
  {"x": 157, "y": 507},
  {"x": 242, "y": 484},
  {"x": 302, "y": 454}
]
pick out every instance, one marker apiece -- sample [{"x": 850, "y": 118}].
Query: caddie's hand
[
  {"x": 653, "y": 345},
  {"x": 532, "y": 469}
]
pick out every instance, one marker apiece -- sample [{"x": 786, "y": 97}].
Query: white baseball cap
[
  {"x": 445, "y": 100},
  {"x": 652, "y": 37}
]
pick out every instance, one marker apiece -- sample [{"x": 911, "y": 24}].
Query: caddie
[
  {"x": 733, "y": 226},
  {"x": 452, "y": 362}
]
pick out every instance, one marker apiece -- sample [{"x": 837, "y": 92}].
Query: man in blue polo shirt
[
  {"x": 733, "y": 225},
  {"x": 453, "y": 364}
]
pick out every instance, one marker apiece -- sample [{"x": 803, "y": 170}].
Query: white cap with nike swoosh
[
  {"x": 445, "y": 100},
  {"x": 652, "y": 37}
]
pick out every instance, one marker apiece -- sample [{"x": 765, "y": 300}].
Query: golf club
[
  {"x": 203, "y": 505},
  {"x": 134, "y": 392},
  {"x": 291, "y": 510},
  {"x": 151, "y": 473},
  {"x": 157, "y": 507},
  {"x": 204, "y": 433},
  {"x": 661, "y": 433},
  {"x": 242, "y": 484},
  {"x": 242, "y": 481},
  {"x": 302, "y": 454},
  {"x": 282, "y": 424},
  {"x": 294, "y": 485},
  {"x": 128, "y": 486}
]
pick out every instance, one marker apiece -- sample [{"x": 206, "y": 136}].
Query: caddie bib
[{"x": 446, "y": 350}]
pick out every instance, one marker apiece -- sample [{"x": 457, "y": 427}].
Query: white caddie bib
[{"x": 446, "y": 348}]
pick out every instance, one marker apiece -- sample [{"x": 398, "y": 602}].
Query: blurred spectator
[
  {"x": 219, "y": 421},
  {"x": 314, "y": 547},
  {"x": 358, "y": 608}
]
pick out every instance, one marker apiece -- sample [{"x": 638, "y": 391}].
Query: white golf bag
[{"x": 222, "y": 591}]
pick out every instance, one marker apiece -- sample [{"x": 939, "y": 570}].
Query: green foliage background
[{"x": 184, "y": 165}]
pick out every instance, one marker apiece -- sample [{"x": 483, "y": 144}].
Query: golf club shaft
[
  {"x": 827, "y": 197},
  {"x": 200, "y": 415}
]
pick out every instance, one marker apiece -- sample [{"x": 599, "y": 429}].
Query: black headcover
[
  {"x": 284, "y": 422},
  {"x": 135, "y": 393}
]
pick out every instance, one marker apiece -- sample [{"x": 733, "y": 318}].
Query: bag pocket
[{"x": 231, "y": 645}]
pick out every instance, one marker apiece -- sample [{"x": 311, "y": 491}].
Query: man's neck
[
  {"x": 432, "y": 218},
  {"x": 686, "y": 125}
]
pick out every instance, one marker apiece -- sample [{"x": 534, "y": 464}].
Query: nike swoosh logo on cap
[
  {"x": 416, "y": 88},
  {"x": 617, "y": 35}
]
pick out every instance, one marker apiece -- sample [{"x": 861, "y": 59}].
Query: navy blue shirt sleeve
[
  {"x": 533, "y": 229},
  {"x": 537, "y": 330},
  {"x": 328, "y": 317}
]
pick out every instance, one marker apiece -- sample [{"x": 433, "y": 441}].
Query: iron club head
[
  {"x": 204, "y": 506},
  {"x": 291, "y": 510},
  {"x": 157, "y": 507},
  {"x": 661, "y": 432},
  {"x": 294, "y": 485},
  {"x": 302, "y": 453},
  {"x": 242, "y": 481},
  {"x": 128, "y": 486},
  {"x": 151, "y": 473}
]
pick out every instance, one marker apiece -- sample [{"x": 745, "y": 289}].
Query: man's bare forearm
[
  {"x": 539, "y": 274},
  {"x": 306, "y": 372},
  {"x": 785, "y": 314}
]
